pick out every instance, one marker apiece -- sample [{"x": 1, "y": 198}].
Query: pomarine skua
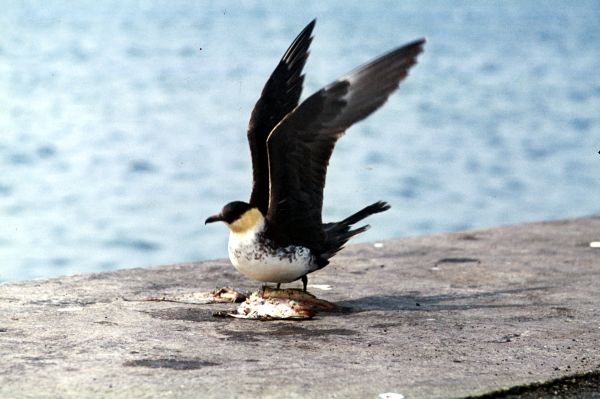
[{"x": 278, "y": 235}]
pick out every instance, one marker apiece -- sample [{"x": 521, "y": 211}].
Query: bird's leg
[
  {"x": 304, "y": 282},
  {"x": 278, "y": 285}
]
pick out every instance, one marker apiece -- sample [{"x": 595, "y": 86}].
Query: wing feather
[
  {"x": 300, "y": 146},
  {"x": 280, "y": 95}
]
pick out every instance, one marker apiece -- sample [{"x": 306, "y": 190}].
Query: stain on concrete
[
  {"x": 173, "y": 364},
  {"x": 469, "y": 237},
  {"x": 284, "y": 331},
  {"x": 106, "y": 323},
  {"x": 561, "y": 311},
  {"x": 63, "y": 303},
  {"x": 458, "y": 260},
  {"x": 416, "y": 302},
  {"x": 195, "y": 314}
]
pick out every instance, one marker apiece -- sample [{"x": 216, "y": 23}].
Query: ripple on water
[
  {"x": 142, "y": 166},
  {"x": 5, "y": 191},
  {"x": 20, "y": 158},
  {"x": 60, "y": 261},
  {"x": 581, "y": 124},
  {"x": 409, "y": 187},
  {"x": 133, "y": 243},
  {"x": 46, "y": 151}
]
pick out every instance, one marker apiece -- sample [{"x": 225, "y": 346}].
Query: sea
[{"x": 123, "y": 123}]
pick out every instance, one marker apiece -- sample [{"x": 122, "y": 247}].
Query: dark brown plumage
[
  {"x": 291, "y": 146},
  {"x": 278, "y": 98},
  {"x": 300, "y": 146}
]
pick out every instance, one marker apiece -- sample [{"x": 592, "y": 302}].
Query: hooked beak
[{"x": 213, "y": 218}]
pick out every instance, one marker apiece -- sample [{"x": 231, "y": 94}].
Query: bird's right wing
[
  {"x": 301, "y": 144},
  {"x": 279, "y": 97}
]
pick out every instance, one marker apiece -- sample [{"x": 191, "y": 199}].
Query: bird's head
[{"x": 238, "y": 216}]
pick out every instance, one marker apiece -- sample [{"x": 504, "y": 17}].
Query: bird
[{"x": 278, "y": 236}]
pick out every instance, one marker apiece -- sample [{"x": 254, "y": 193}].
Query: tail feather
[
  {"x": 338, "y": 234},
  {"x": 377, "y": 207}
]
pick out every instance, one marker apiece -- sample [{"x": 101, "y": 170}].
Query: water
[{"x": 122, "y": 124}]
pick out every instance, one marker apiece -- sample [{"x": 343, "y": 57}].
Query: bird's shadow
[{"x": 444, "y": 302}]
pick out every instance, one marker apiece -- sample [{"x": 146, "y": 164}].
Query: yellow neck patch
[{"x": 247, "y": 221}]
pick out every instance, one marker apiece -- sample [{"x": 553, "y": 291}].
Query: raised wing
[
  {"x": 300, "y": 146},
  {"x": 279, "y": 97}
]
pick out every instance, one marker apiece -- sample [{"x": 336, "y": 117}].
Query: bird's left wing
[
  {"x": 301, "y": 144},
  {"x": 279, "y": 96}
]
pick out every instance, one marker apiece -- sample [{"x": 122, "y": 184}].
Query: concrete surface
[{"x": 439, "y": 316}]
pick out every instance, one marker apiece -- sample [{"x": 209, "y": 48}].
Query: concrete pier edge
[
  {"x": 485, "y": 313},
  {"x": 580, "y": 386}
]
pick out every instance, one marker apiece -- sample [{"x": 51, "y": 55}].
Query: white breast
[{"x": 263, "y": 263}]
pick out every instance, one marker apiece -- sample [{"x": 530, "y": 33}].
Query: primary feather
[
  {"x": 278, "y": 98},
  {"x": 300, "y": 146}
]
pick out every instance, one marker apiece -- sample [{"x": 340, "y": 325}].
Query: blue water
[{"x": 122, "y": 123}]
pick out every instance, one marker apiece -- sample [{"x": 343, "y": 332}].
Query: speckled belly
[{"x": 261, "y": 262}]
